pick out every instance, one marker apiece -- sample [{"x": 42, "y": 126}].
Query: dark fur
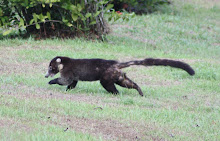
[{"x": 107, "y": 71}]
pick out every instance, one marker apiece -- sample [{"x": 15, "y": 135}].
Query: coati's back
[{"x": 89, "y": 69}]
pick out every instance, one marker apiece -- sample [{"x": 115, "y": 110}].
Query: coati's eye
[{"x": 51, "y": 68}]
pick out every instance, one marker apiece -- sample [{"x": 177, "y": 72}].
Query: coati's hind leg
[
  {"x": 72, "y": 85},
  {"x": 109, "y": 86},
  {"x": 124, "y": 81}
]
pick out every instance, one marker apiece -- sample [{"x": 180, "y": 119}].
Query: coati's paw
[
  {"x": 52, "y": 82},
  {"x": 67, "y": 88},
  {"x": 115, "y": 93}
]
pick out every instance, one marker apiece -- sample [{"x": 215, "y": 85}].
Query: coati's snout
[
  {"x": 50, "y": 73},
  {"x": 54, "y": 67},
  {"x": 47, "y": 75}
]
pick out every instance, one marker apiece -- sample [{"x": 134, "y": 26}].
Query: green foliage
[
  {"x": 64, "y": 18},
  {"x": 47, "y": 17},
  {"x": 125, "y": 16}
]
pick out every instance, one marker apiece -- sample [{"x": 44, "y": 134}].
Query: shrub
[
  {"x": 66, "y": 18},
  {"x": 63, "y": 18}
]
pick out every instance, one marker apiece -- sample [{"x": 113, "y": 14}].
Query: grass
[{"x": 175, "y": 105}]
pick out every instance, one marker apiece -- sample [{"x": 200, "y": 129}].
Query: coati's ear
[
  {"x": 58, "y": 60},
  {"x": 60, "y": 66}
]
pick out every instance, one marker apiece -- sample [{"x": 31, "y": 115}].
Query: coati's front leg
[
  {"x": 61, "y": 81},
  {"x": 55, "y": 81},
  {"x": 72, "y": 85}
]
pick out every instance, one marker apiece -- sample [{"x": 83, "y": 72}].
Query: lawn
[{"x": 175, "y": 106}]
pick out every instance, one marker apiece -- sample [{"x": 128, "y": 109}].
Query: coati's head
[{"x": 54, "y": 67}]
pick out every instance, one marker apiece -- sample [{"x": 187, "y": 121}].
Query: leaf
[
  {"x": 3, "y": 20},
  {"x": 103, "y": 2},
  {"x": 35, "y": 17},
  {"x": 116, "y": 18},
  {"x": 23, "y": 28},
  {"x": 109, "y": 7},
  {"x": 79, "y": 7},
  {"x": 1, "y": 12},
  {"x": 26, "y": 2},
  {"x": 21, "y": 23},
  {"x": 132, "y": 14},
  {"x": 64, "y": 20},
  {"x": 81, "y": 16},
  {"x": 74, "y": 17},
  {"x": 7, "y": 32},
  {"x": 51, "y": 4},
  {"x": 31, "y": 22},
  {"x": 73, "y": 8},
  {"x": 43, "y": 5},
  {"x": 48, "y": 15},
  {"x": 97, "y": 13},
  {"x": 88, "y": 15},
  {"x": 37, "y": 26},
  {"x": 69, "y": 24},
  {"x": 93, "y": 22},
  {"x": 41, "y": 17}
]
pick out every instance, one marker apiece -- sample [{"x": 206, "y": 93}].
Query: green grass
[{"x": 175, "y": 106}]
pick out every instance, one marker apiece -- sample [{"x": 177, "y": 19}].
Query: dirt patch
[
  {"x": 216, "y": 44},
  {"x": 15, "y": 65},
  {"x": 21, "y": 68},
  {"x": 108, "y": 129},
  {"x": 11, "y": 124}
]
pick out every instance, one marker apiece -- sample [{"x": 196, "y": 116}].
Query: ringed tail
[{"x": 159, "y": 62}]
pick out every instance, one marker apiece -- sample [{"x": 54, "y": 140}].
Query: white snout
[{"x": 48, "y": 74}]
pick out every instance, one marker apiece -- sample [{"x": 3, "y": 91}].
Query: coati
[{"x": 107, "y": 71}]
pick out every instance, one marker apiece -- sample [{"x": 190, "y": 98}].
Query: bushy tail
[{"x": 159, "y": 62}]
